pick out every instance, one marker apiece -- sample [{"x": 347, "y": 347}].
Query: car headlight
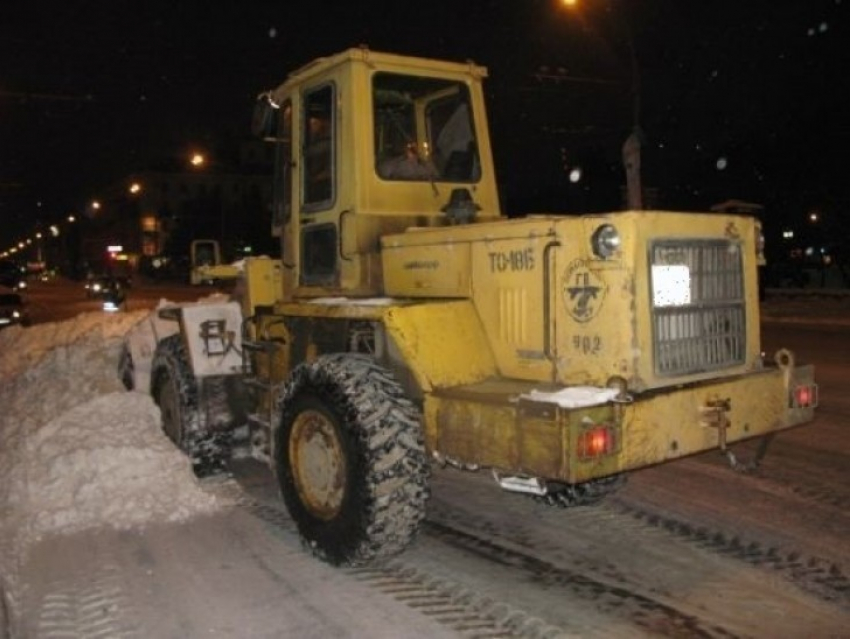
[{"x": 605, "y": 241}]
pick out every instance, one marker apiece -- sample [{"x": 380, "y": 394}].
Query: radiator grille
[{"x": 698, "y": 306}]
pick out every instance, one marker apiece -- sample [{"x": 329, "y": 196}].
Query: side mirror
[{"x": 264, "y": 119}]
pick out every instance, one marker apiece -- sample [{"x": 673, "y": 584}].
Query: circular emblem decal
[{"x": 583, "y": 292}]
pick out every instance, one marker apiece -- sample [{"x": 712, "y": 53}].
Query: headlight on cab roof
[{"x": 605, "y": 241}]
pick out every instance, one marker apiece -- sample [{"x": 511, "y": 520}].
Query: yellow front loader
[{"x": 409, "y": 322}]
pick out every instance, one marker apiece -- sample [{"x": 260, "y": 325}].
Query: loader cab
[
  {"x": 204, "y": 253},
  {"x": 369, "y": 144}
]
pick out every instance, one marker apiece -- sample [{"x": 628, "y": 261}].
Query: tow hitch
[{"x": 715, "y": 415}]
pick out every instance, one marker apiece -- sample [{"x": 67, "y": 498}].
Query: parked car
[
  {"x": 114, "y": 295},
  {"x": 100, "y": 285},
  {"x": 95, "y": 286},
  {"x": 12, "y": 308},
  {"x": 11, "y": 275}
]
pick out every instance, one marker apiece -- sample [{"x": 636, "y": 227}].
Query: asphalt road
[
  {"x": 687, "y": 549},
  {"x": 61, "y": 299}
]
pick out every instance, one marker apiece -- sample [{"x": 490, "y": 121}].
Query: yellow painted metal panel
[
  {"x": 263, "y": 282},
  {"x": 604, "y": 306},
  {"x": 487, "y": 424},
  {"x": 674, "y": 424},
  {"x": 484, "y": 435},
  {"x": 513, "y": 281},
  {"x": 442, "y": 343},
  {"x": 442, "y": 270},
  {"x": 542, "y": 443}
]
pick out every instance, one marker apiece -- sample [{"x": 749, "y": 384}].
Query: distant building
[{"x": 153, "y": 212}]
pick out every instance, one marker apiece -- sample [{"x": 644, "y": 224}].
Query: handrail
[{"x": 547, "y": 300}]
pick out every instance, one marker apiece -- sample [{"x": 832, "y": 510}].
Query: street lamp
[
  {"x": 631, "y": 151},
  {"x": 39, "y": 251}
]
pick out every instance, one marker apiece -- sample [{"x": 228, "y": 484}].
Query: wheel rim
[
  {"x": 318, "y": 464},
  {"x": 168, "y": 405}
]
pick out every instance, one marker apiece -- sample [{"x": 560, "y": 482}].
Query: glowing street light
[
  {"x": 197, "y": 160},
  {"x": 135, "y": 187}
]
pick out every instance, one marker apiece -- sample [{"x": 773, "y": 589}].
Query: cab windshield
[{"x": 423, "y": 129}]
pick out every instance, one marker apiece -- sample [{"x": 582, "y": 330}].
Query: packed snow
[
  {"x": 574, "y": 397},
  {"x": 77, "y": 450}
]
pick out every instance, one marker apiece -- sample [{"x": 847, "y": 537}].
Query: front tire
[
  {"x": 126, "y": 368},
  {"x": 350, "y": 459},
  {"x": 186, "y": 419},
  {"x": 175, "y": 390}
]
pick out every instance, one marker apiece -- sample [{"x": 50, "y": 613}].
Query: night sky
[{"x": 740, "y": 99}]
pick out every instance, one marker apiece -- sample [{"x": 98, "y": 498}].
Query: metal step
[
  {"x": 256, "y": 382},
  {"x": 260, "y": 347}
]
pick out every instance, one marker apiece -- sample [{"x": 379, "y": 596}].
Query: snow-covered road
[{"x": 106, "y": 532}]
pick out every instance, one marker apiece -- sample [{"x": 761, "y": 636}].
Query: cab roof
[{"x": 384, "y": 60}]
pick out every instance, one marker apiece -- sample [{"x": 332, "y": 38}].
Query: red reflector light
[
  {"x": 596, "y": 441},
  {"x": 805, "y": 396}
]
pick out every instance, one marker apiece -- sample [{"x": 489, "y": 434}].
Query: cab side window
[
  {"x": 283, "y": 176},
  {"x": 318, "y": 149}
]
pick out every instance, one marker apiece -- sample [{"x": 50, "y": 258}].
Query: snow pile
[
  {"x": 132, "y": 474},
  {"x": 22, "y": 348},
  {"x": 574, "y": 397},
  {"x": 77, "y": 450}
]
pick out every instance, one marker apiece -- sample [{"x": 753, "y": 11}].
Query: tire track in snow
[{"x": 101, "y": 608}]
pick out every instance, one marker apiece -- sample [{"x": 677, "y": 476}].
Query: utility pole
[{"x": 631, "y": 150}]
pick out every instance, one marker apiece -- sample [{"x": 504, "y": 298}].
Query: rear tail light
[
  {"x": 804, "y": 396},
  {"x": 596, "y": 441}
]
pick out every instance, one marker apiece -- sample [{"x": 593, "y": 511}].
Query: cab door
[{"x": 319, "y": 175}]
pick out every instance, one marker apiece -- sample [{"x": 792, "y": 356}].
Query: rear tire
[
  {"x": 5, "y": 620},
  {"x": 350, "y": 459},
  {"x": 587, "y": 493}
]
